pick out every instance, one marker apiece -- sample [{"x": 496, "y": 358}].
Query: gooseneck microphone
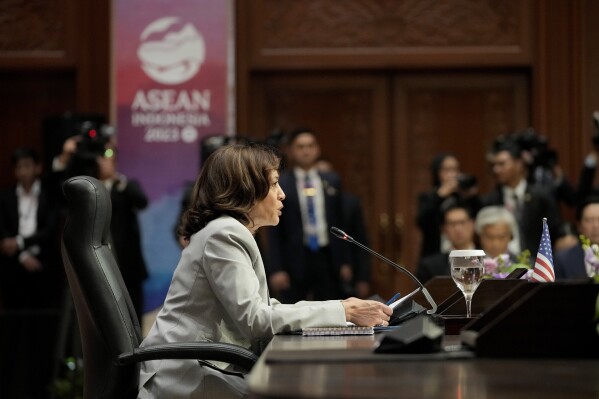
[{"x": 344, "y": 236}]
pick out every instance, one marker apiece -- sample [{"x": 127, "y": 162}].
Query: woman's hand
[{"x": 366, "y": 313}]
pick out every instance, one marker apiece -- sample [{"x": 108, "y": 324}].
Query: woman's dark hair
[
  {"x": 436, "y": 164},
  {"x": 233, "y": 179}
]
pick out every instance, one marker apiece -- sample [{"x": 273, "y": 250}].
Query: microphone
[{"x": 344, "y": 236}]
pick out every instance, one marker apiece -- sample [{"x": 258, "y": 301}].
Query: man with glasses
[{"x": 458, "y": 226}]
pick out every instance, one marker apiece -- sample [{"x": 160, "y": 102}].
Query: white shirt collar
[
  {"x": 300, "y": 174},
  {"x": 519, "y": 190},
  {"x": 36, "y": 189}
]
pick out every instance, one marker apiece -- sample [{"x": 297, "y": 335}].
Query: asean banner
[{"x": 171, "y": 62}]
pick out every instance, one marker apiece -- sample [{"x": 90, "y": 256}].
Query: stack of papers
[{"x": 349, "y": 330}]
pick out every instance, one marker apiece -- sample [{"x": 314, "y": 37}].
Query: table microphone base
[{"x": 418, "y": 335}]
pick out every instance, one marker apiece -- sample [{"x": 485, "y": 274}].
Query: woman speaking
[{"x": 219, "y": 292}]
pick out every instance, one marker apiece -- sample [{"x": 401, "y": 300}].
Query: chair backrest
[{"x": 107, "y": 320}]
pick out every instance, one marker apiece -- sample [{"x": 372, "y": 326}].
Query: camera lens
[{"x": 466, "y": 182}]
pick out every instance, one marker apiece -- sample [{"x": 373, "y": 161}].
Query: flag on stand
[{"x": 543, "y": 270}]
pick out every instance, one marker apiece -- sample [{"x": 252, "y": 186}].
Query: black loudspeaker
[{"x": 417, "y": 335}]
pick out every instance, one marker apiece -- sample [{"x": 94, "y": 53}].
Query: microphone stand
[{"x": 344, "y": 236}]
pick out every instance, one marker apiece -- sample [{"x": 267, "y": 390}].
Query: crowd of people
[
  {"x": 33, "y": 289},
  {"x": 223, "y": 291},
  {"x": 302, "y": 262},
  {"x": 507, "y": 221},
  {"x": 32, "y": 213}
]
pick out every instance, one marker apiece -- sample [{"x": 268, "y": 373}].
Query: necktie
[
  {"x": 311, "y": 229},
  {"x": 517, "y": 208}
]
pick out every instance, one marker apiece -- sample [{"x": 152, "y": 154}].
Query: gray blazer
[{"x": 219, "y": 293}]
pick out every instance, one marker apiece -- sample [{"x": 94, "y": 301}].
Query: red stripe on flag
[
  {"x": 543, "y": 269},
  {"x": 541, "y": 274},
  {"x": 547, "y": 265},
  {"x": 543, "y": 265}
]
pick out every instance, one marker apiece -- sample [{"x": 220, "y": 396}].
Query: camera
[
  {"x": 93, "y": 140},
  {"x": 466, "y": 182},
  {"x": 537, "y": 145},
  {"x": 90, "y": 146},
  {"x": 528, "y": 141}
]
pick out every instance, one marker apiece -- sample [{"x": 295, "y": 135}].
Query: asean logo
[{"x": 171, "y": 52}]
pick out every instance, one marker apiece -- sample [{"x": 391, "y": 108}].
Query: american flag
[{"x": 543, "y": 271}]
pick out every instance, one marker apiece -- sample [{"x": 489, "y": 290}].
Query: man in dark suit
[
  {"x": 304, "y": 260},
  {"x": 576, "y": 262},
  {"x": 358, "y": 284},
  {"x": 127, "y": 199},
  {"x": 458, "y": 226},
  {"x": 30, "y": 270},
  {"x": 528, "y": 203}
]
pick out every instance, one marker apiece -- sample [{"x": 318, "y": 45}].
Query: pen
[{"x": 395, "y": 298}]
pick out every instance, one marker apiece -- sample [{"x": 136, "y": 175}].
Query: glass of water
[{"x": 467, "y": 270}]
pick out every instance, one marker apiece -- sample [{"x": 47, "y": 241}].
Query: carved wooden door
[{"x": 380, "y": 131}]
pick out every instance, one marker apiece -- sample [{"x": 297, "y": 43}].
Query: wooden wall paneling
[
  {"x": 25, "y": 99},
  {"x": 93, "y": 26},
  {"x": 349, "y": 34},
  {"x": 590, "y": 70},
  {"x": 37, "y": 34},
  {"x": 557, "y": 76},
  {"x": 54, "y": 58},
  {"x": 349, "y": 113},
  {"x": 458, "y": 113}
]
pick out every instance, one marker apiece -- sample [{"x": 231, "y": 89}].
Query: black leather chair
[{"x": 109, "y": 329}]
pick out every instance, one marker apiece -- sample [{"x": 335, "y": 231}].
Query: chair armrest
[{"x": 228, "y": 353}]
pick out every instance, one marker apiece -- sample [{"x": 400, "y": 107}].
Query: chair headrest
[{"x": 89, "y": 207}]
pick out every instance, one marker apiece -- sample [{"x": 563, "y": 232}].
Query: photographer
[
  {"x": 80, "y": 152},
  {"x": 542, "y": 162},
  {"x": 529, "y": 203},
  {"x": 93, "y": 153},
  {"x": 449, "y": 184}
]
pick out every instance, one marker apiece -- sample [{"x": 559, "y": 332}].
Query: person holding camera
[
  {"x": 529, "y": 203},
  {"x": 542, "y": 165},
  {"x": 449, "y": 185}
]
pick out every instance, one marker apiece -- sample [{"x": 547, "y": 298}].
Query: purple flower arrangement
[
  {"x": 591, "y": 257},
  {"x": 501, "y": 266}
]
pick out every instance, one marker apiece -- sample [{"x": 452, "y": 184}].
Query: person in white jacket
[{"x": 219, "y": 291}]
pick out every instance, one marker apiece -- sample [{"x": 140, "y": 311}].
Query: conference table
[{"x": 293, "y": 366}]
